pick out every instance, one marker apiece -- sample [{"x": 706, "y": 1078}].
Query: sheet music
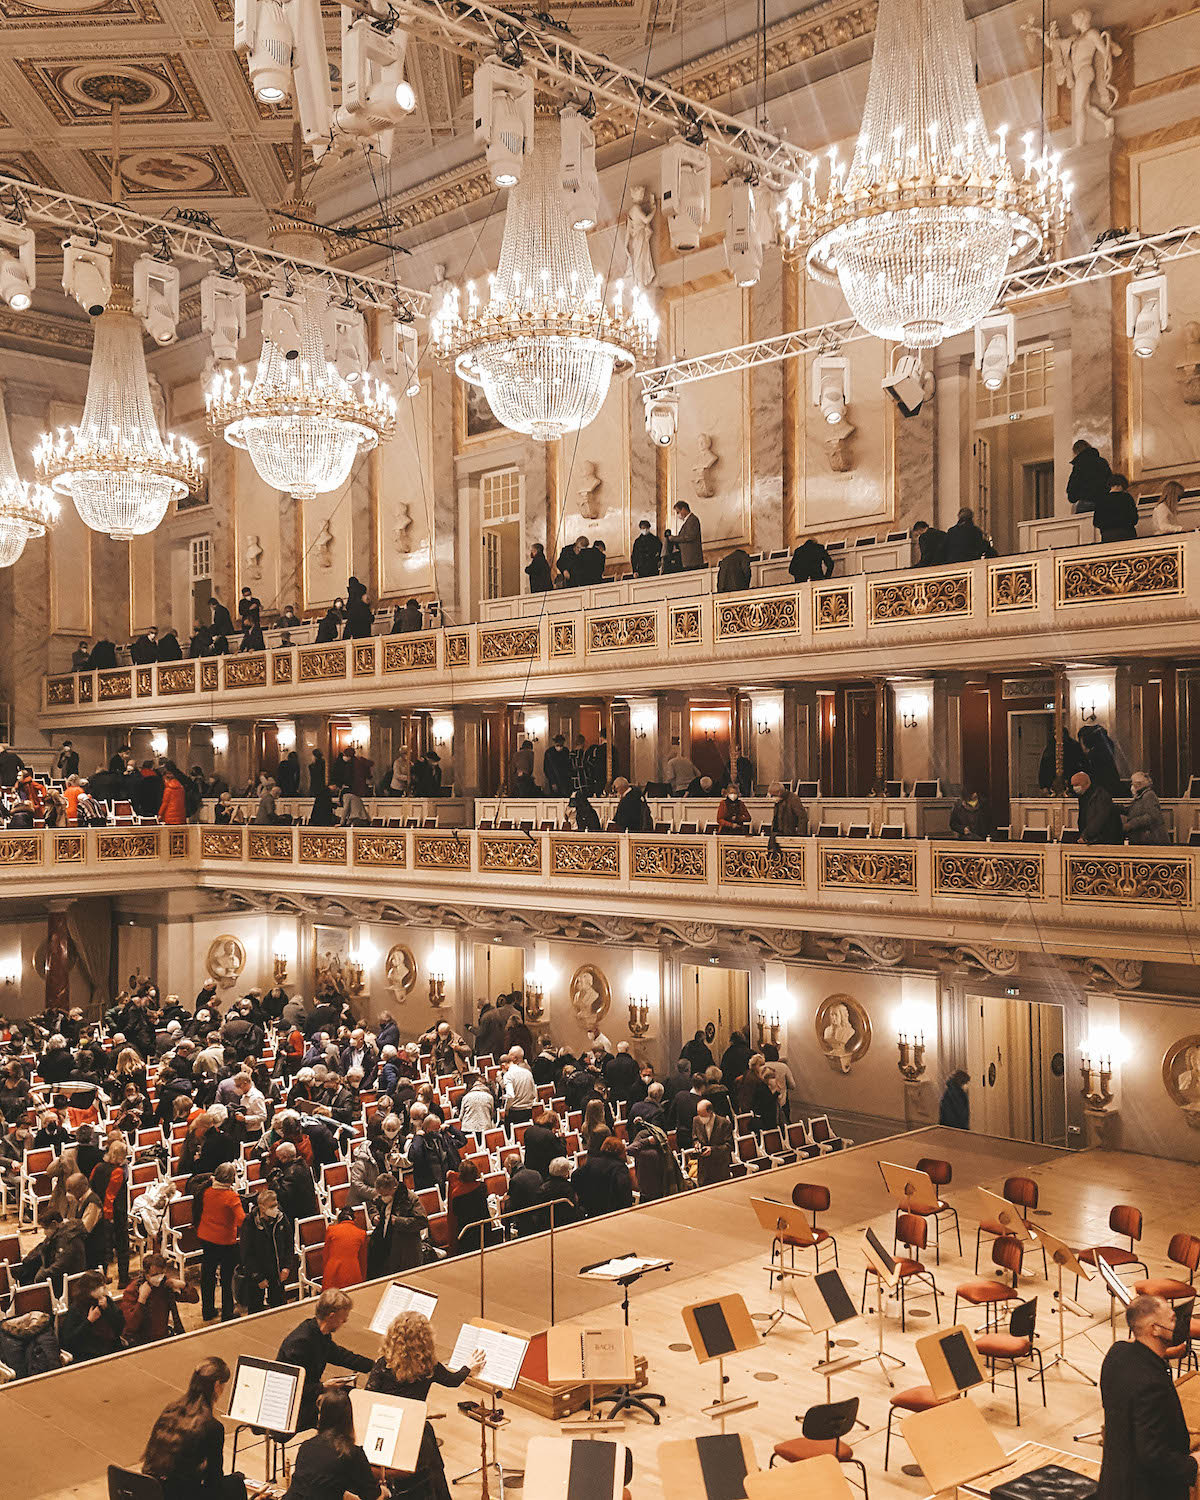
[
  {"x": 383, "y": 1430},
  {"x": 399, "y": 1299},
  {"x": 247, "y": 1394},
  {"x": 603, "y": 1354},
  {"x": 624, "y": 1265},
  {"x": 262, "y": 1396},
  {"x": 503, "y": 1354},
  {"x": 275, "y": 1403}
]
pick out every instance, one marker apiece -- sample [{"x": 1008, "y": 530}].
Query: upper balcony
[
  {"x": 1123, "y": 599},
  {"x": 1004, "y": 897}
]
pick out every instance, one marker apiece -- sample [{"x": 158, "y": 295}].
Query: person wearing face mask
[
  {"x": 92, "y": 1325},
  {"x": 955, "y": 1109},
  {"x": 733, "y": 816},
  {"x": 15, "y": 1141},
  {"x": 150, "y": 1303},
  {"x": 267, "y": 1247},
  {"x": 1146, "y": 1438}
]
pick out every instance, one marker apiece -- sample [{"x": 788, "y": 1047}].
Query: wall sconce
[
  {"x": 1096, "y": 1076},
  {"x": 285, "y": 736},
  {"x": 639, "y": 1016},
  {"x": 1093, "y": 700},
  {"x": 220, "y": 740},
  {"x": 356, "y": 976},
  {"x": 910, "y": 712},
  {"x": 281, "y": 968},
  {"x": 443, "y": 731},
  {"x": 768, "y": 1028},
  {"x": 534, "y": 997},
  {"x": 535, "y": 726},
  {"x": 763, "y": 726},
  {"x": 437, "y": 990},
  {"x": 158, "y": 742},
  {"x": 912, "y": 1056}
]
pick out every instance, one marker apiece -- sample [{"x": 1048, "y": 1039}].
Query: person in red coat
[
  {"x": 345, "y": 1252},
  {"x": 172, "y": 808}
]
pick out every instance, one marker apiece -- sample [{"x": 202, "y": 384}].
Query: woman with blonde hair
[
  {"x": 407, "y": 1366},
  {"x": 1164, "y": 517}
]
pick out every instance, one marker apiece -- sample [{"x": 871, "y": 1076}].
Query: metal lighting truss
[
  {"x": 178, "y": 237},
  {"x": 561, "y": 67},
  {"x": 1115, "y": 257}
]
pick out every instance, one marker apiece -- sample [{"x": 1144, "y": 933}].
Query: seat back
[
  {"x": 1008, "y": 1253},
  {"x": 823, "y": 1424},
  {"x": 939, "y": 1172},
  {"x": 912, "y": 1230},
  {"x": 1022, "y": 1191},
  {"x": 1125, "y": 1219},
  {"x": 34, "y": 1298},
  {"x": 1023, "y": 1323},
  {"x": 126, "y": 1484},
  {"x": 819, "y": 1129},
  {"x": 1184, "y": 1250},
  {"x": 813, "y": 1197}
]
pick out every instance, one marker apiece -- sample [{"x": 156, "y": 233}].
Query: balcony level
[
  {"x": 1118, "y": 600},
  {"x": 1137, "y": 903}
]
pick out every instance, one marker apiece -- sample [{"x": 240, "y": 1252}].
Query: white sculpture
[
  {"x": 1188, "y": 369},
  {"x": 639, "y": 231},
  {"x": 158, "y": 400},
  {"x": 401, "y": 527},
  {"x": 252, "y": 557},
  {"x": 836, "y": 442},
  {"x": 703, "y": 478},
  {"x": 588, "y": 490},
  {"x": 323, "y": 545},
  {"x": 839, "y": 1038},
  {"x": 1083, "y": 62},
  {"x": 440, "y": 288}
]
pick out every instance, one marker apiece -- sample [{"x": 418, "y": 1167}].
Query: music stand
[
  {"x": 952, "y": 1445},
  {"x": 717, "y": 1328},
  {"x": 624, "y": 1271},
  {"x": 714, "y": 1467},
  {"x": 388, "y": 1429},
  {"x": 264, "y": 1399},
  {"x": 913, "y": 1191},
  {"x": 1065, "y": 1259},
  {"x": 590, "y": 1356},
  {"x": 781, "y": 1219},
  {"x": 820, "y": 1478},
  {"x": 551, "y": 1466},
  {"x": 501, "y": 1372},
  {"x": 827, "y": 1304},
  {"x": 951, "y": 1361},
  {"x": 1006, "y": 1214},
  {"x": 887, "y": 1269}
]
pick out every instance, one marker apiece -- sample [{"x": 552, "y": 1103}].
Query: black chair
[
  {"x": 1015, "y": 1345},
  {"x": 824, "y": 1427},
  {"x": 125, "y": 1484}
]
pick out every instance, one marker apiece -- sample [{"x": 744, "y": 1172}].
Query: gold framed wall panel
[
  {"x": 1101, "y": 578},
  {"x": 596, "y": 858}
]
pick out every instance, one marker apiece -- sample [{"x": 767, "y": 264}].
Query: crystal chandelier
[
  {"x": 115, "y": 465},
  {"x": 545, "y": 346},
  {"x": 931, "y": 215},
  {"x": 25, "y": 510}
]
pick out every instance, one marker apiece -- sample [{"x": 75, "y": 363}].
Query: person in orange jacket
[
  {"x": 345, "y": 1262},
  {"x": 221, "y": 1216},
  {"x": 172, "y": 808}
]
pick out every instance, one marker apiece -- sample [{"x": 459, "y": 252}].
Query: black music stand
[{"x": 624, "y": 1398}]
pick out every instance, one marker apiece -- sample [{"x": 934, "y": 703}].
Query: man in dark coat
[
  {"x": 311, "y": 1346},
  {"x": 572, "y": 563},
  {"x": 1099, "y": 820},
  {"x": 395, "y": 1243},
  {"x": 810, "y": 561},
  {"x": 104, "y": 654},
  {"x": 1115, "y": 513},
  {"x": 735, "y": 1059},
  {"x": 621, "y": 1073},
  {"x": 169, "y": 648},
  {"x": 557, "y": 768},
  {"x": 733, "y": 572},
  {"x": 965, "y": 542},
  {"x": 145, "y": 649},
  {"x": 1146, "y": 1440},
  {"x": 647, "y": 551},
  {"x": 1089, "y": 478},
  {"x": 931, "y": 544}
]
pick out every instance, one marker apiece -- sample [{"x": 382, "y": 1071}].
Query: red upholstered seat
[
  {"x": 1113, "y": 1254},
  {"x": 916, "y": 1398},
  {"x": 980, "y": 1293},
  {"x": 795, "y": 1450},
  {"x": 1165, "y": 1287},
  {"x": 1002, "y": 1346}
]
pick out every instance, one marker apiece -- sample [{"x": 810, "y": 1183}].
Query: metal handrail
[{"x": 481, "y": 1226}]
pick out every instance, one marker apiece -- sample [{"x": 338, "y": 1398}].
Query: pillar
[
  {"x": 1060, "y": 709},
  {"x": 880, "y": 735},
  {"x": 58, "y": 957}
]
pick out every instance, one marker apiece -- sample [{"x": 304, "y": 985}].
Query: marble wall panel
[
  {"x": 328, "y": 546},
  {"x": 261, "y": 517},
  {"x": 406, "y": 499},
  {"x": 595, "y": 476}
]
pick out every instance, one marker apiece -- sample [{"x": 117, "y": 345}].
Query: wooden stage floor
[{"x": 63, "y": 1430}]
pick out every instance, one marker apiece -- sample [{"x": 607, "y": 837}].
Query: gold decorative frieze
[
  {"x": 209, "y": 681},
  {"x": 669, "y": 861},
  {"x": 584, "y": 856},
  {"x": 390, "y": 849},
  {"x": 85, "y": 689},
  {"x": 142, "y": 844},
  {"x": 281, "y": 668},
  {"x": 1145, "y": 880},
  {"x": 897, "y": 600},
  {"x": 220, "y": 843},
  {"x": 68, "y": 848},
  {"x": 246, "y": 671},
  {"x": 273, "y": 845},
  {"x": 1018, "y": 875},
  {"x": 321, "y": 663},
  {"x": 741, "y": 865},
  {"x": 60, "y": 690},
  {"x": 145, "y": 682},
  {"x": 416, "y": 654},
  {"x": 179, "y": 843},
  {"x": 685, "y": 625},
  {"x": 515, "y": 855},
  {"x": 440, "y": 851},
  {"x": 322, "y": 848},
  {"x": 176, "y": 677},
  {"x": 518, "y": 643},
  {"x": 833, "y": 609},
  {"x": 635, "y": 632},
  {"x": 1012, "y": 587},
  {"x": 1092, "y": 580},
  {"x": 458, "y": 650},
  {"x": 115, "y": 685},
  {"x": 20, "y": 849},
  {"x": 562, "y": 638},
  {"x": 364, "y": 659},
  {"x": 779, "y": 615},
  {"x": 869, "y": 869}
]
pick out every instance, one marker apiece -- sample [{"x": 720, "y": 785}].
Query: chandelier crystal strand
[
  {"x": 932, "y": 214},
  {"x": 544, "y": 346},
  {"x": 302, "y": 424},
  {"x": 115, "y": 465},
  {"x": 25, "y": 509}
]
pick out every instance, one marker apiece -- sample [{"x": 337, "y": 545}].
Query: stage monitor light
[
  {"x": 262, "y": 33},
  {"x": 662, "y": 417},
  {"x": 577, "y": 165},
  {"x": 156, "y": 297},
  {"x": 346, "y": 343},
  {"x": 223, "y": 314},
  {"x": 87, "y": 273},
  {"x": 310, "y": 74},
  {"x": 503, "y": 108},
  {"x": 1146, "y": 313},
  {"x": 908, "y": 384},
  {"x": 743, "y": 232},
  {"x": 18, "y": 265},
  {"x": 283, "y": 322},
  {"x": 995, "y": 348},
  {"x": 686, "y": 192},
  {"x": 831, "y": 386}
]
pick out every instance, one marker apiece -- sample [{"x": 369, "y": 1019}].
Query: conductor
[
  {"x": 1146, "y": 1453},
  {"x": 311, "y": 1346}
]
